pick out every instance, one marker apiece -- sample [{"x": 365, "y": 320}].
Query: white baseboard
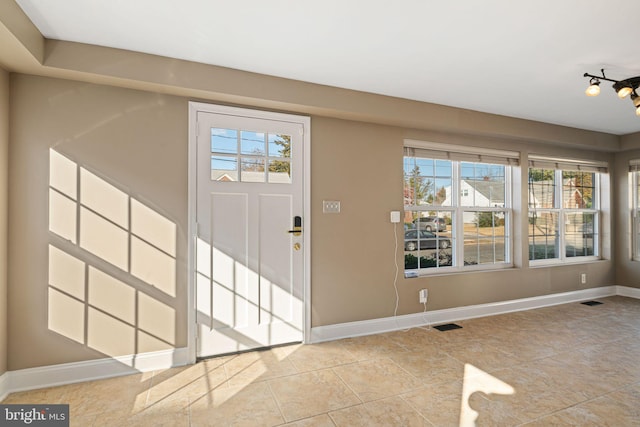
[
  {"x": 4, "y": 385},
  {"x": 387, "y": 324},
  {"x": 67, "y": 373},
  {"x": 625, "y": 291}
]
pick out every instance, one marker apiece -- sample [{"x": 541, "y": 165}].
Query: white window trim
[
  {"x": 459, "y": 154},
  {"x": 634, "y": 172},
  {"x": 562, "y": 211}
]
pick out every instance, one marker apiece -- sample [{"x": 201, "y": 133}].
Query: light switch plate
[{"x": 330, "y": 206}]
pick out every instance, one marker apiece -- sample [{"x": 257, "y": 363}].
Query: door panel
[
  {"x": 249, "y": 267},
  {"x": 275, "y": 269},
  {"x": 229, "y": 273}
]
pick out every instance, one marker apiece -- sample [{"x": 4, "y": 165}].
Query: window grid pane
[
  {"x": 485, "y": 237},
  {"x": 482, "y": 185},
  {"x": 580, "y": 233},
  {"x": 543, "y": 235},
  {"x": 428, "y": 241},
  {"x": 426, "y": 182},
  {"x": 224, "y": 141},
  {"x": 542, "y": 184},
  {"x": 578, "y": 189}
]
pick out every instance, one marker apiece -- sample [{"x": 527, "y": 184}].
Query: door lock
[{"x": 297, "y": 226}]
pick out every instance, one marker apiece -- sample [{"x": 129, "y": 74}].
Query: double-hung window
[
  {"x": 634, "y": 171},
  {"x": 564, "y": 209},
  {"x": 457, "y": 207}
]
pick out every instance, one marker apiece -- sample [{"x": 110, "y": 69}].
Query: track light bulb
[
  {"x": 636, "y": 101},
  {"x": 623, "y": 88},
  {"x": 623, "y": 92},
  {"x": 594, "y": 88}
]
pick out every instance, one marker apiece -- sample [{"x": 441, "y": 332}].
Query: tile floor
[{"x": 564, "y": 365}]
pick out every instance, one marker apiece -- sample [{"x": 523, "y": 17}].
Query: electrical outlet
[
  {"x": 423, "y": 296},
  {"x": 583, "y": 278},
  {"x": 395, "y": 216}
]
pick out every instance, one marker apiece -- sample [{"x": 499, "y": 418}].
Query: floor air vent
[
  {"x": 447, "y": 327},
  {"x": 591, "y": 303}
]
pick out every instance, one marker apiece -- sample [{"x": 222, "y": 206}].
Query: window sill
[
  {"x": 560, "y": 263},
  {"x": 448, "y": 271}
]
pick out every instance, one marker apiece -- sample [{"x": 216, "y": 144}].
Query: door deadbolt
[{"x": 297, "y": 226}]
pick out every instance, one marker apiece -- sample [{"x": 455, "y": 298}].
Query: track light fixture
[{"x": 623, "y": 88}]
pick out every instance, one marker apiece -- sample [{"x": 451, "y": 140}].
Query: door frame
[{"x": 305, "y": 121}]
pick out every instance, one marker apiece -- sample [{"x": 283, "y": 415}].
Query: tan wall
[
  {"x": 627, "y": 271},
  {"x": 353, "y": 266},
  {"x": 103, "y": 286},
  {"x": 73, "y": 300},
  {"x": 4, "y": 195}
]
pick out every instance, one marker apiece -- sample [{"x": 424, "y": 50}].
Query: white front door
[{"x": 249, "y": 254}]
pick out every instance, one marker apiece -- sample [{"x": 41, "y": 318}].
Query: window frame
[
  {"x": 569, "y": 165},
  {"x": 634, "y": 204},
  {"x": 459, "y": 155}
]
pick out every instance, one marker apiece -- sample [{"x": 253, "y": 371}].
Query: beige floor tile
[
  {"x": 317, "y": 421},
  {"x": 534, "y": 393},
  {"x": 419, "y": 339},
  {"x": 580, "y": 379},
  {"x": 486, "y": 412},
  {"x": 311, "y": 393},
  {"x": 247, "y": 368},
  {"x": 321, "y": 356},
  {"x": 464, "y": 402},
  {"x": 603, "y": 411},
  {"x": 376, "y": 379},
  {"x": 186, "y": 382},
  {"x": 526, "y": 346},
  {"x": 431, "y": 369},
  {"x": 387, "y": 412},
  {"x": 629, "y": 395},
  {"x": 249, "y": 406},
  {"x": 82, "y": 421},
  {"x": 441, "y": 404},
  {"x": 372, "y": 347},
  {"x": 41, "y": 396},
  {"x": 482, "y": 355},
  {"x": 123, "y": 396},
  {"x": 143, "y": 420}
]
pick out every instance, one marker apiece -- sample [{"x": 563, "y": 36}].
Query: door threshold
[{"x": 250, "y": 350}]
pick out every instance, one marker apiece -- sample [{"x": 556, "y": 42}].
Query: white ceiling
[{"x": 522, "y": 59}]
